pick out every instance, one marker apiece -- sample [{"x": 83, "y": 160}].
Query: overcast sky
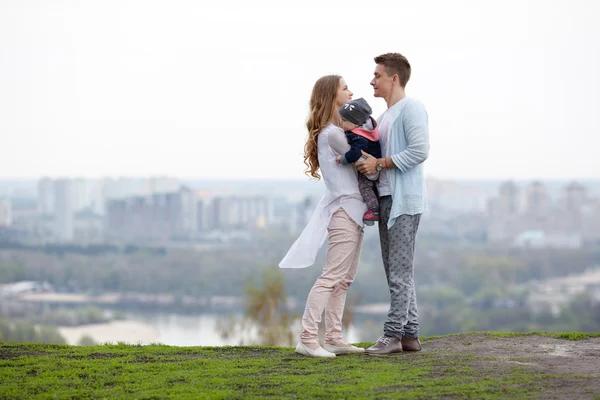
[{"x": 96, "y": 88}]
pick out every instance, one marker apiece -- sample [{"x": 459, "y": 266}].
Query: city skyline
[
  {"x": 290, "y": 188},
  {"x": 221, "y": 91},
  {"x": 164, "y": 209}
]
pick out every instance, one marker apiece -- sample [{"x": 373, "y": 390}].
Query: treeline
[
  {"x": 479, "y": 274},
  {"x": 90, "y": 249},
  {"x": 180, "y": 271},
  {"x": 581, "y": 314},
  {"x": 43, "y": 314},
  {"x": 20, "y": 331}
]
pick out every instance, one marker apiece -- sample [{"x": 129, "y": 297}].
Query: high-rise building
[
  {"x": 63, "y": 210},
  {"x": 96, "y": 198},
  {"x": 80, "y": 191},
  {"x": 161, "y": 216},
  {"x": 539, "y": 201},
  {"x": 300, "y": 214},
  {"x": 201, "y": 224},
  {"x": 45, "y": 196},
  {"x": 241, "y": 212},
  {"x": 223, "y": 213},
  {"x": 508, "y": 198},
  {"x": 504, "y": 213},
  {"x": 110, "y": 189},
  {"x": 574, "y": 197},
  {"x": 187, "y": 213},
  {"x": 88, "y": 227},
  {"x": 5, "y": 213},
  {"x": 573, "y": 214},
  {"x": 591, "y": 220}
]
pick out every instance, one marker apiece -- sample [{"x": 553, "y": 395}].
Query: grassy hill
[{"x": 469, "y": 366}]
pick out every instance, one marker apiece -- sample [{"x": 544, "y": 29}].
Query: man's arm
[
  {"x": 417, "y": 137},
  {"x": 416, "y": 127}
]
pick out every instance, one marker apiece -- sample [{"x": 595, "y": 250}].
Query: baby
[{"x": 363, "y": 134}]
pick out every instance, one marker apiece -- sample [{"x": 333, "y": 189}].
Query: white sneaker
[
  {"x": 343, "y": 349},
  {"x": 319, "y": 352}
]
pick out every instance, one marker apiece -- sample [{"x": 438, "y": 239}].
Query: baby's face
[{"x": 348, "y": 126}]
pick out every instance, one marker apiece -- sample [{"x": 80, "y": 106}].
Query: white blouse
[{"x": 341, "y": 191}]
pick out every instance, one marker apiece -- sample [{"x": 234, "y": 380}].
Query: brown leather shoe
[
  {"x": 385, "y": 346},
  {"x": 410, "y": 344}
]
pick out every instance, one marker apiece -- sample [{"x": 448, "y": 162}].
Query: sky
[{"x": 221, "y": 91}]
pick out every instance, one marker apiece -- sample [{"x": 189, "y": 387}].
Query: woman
[{"x": 339, "y": 216}]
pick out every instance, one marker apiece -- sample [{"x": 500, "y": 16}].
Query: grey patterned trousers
[{"x": 397, "y": 251}]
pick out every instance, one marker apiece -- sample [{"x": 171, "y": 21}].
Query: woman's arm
[{"x": 337, "y": 141}]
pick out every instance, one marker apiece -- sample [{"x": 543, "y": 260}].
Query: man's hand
[
  {"x": 338, "y": 159},
  {"x": 368, "y": 166}
]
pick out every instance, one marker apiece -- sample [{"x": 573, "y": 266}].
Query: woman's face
[{"x": 344, "y": 94}]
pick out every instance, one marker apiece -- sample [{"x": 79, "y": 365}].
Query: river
[{"x": 190, "y": 330}]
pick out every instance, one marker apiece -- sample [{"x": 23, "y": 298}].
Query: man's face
[{"x": 382, "y": 82}]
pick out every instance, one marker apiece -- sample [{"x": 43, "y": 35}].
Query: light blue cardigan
[{"x": 408, "y": 145}]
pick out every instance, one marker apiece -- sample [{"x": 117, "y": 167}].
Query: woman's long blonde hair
[{"x": 323, "y": 111}]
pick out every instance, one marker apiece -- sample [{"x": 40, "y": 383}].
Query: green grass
[
  {"x": 157, "y": 371},
  {"x": 558, "y": 335}
]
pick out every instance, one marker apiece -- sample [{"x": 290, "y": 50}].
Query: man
[{"x": 404, "y": 139}]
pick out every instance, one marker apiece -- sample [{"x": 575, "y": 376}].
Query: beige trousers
[{"x": 329, "y": 291}]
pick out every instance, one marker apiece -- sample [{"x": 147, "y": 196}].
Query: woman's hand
[
  {"x": 368, "y": 166},
  {"x": 338, "y": 159}
]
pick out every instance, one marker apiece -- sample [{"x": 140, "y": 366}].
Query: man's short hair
[{"x": 395, "y": 63}]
